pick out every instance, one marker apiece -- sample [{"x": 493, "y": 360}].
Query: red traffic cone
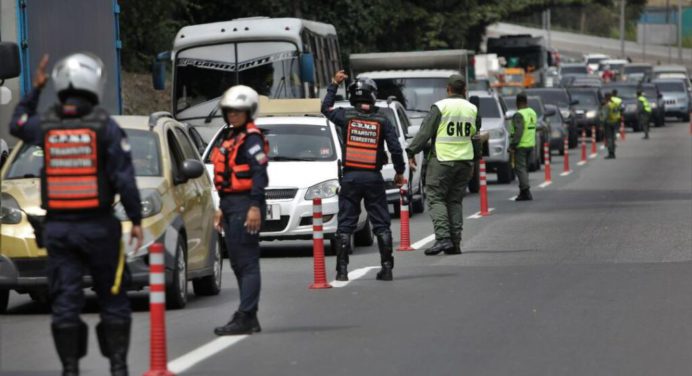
[
  {"x": 405, "y": 243},
  {"x": 157, "y": 312},
  {"x": 546, "y": 153},
  {"x": 483, "y": 190},
  {"x": 318, "y": 247}
]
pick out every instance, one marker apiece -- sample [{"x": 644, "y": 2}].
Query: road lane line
[
  {"x": 353, "y": 275},
  {"x": 424, "y": 241},
  {"x": 566, "y": 173},
  {"x": 594, "y": 155},
  {"x": 545, "y": 184},
  {"x": 189, "y": 360},
  {"x": 513, "y": 198},
  {"x": 581, "y": 163},
  {"x": 478, "y": 214}
]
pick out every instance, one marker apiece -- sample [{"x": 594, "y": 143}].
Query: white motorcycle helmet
[
  {"x": 81, "y": 73},
  {"x": 242, "y": 98}
]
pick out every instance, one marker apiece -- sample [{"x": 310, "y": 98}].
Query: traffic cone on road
[
  {"x": 405, "y": 243},
  {"x": 483, "y": 190},
  {"x": 583, "y": 147},
  {"x": 566, "y": 169},
  {"x": 157, "y": 312},
  {"x": 593, "y": 140},
  {"x": 318, "y": 247},
  {"x": 546, "y": 154}
]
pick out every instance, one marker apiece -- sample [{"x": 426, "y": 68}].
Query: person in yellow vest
[
  {"x": 611, "y": 113},
  {"x": 450, "y": 124},
  {"x": 523, "y": 142},
  {"x": 644, "y": 113}
]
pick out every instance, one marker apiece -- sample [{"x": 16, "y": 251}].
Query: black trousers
[{"x": 368, "y": 187}]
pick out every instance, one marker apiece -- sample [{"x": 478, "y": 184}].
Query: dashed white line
[
  {"x": 545, "y": 184},
  {"x": 594, "y": 155},
  {"x": 353, "y": 275},
  {"x": 513, "y": 198},
  {"x": 478, "y": 214},
  {"x": 424, "y": 241},
  {"x": 566, "y": 173},
  {"x": 203, "y": 352},
  {"x": 581, "y": 163}
]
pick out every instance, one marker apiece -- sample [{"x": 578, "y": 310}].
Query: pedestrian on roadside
[
  {"x": 610, "y": 118},
  {"x": 644, "y": 110},
  {"x": 451, "y": 125},
  {"x": 87, "y": 162},
  {"x": 364, "y": 130},
  {"x": 240, "y": 159},
  {"x": 523, "y": 142}
]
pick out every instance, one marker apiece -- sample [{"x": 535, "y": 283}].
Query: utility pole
[
  {"x": 670, "y": 35},
  {"x": 622, "y": 28},
  {"x": 549, "y": 26},
  {"x": 645, "y": 25},
  {"x": 680, "y": 31}
]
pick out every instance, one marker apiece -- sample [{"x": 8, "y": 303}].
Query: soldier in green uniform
[
  {"x": 523, "y": 142},
  {"x": 610, "y": 117},
  {"x": 450, "y": 124},
  {"x": 644, "y": 108}
]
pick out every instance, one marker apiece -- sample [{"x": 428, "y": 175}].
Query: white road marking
[
  {"x": 513, "y": 198},
  {"x": 353, "y": 275},
  {"x": 566, "y": 173},
  {"x": 545, "y": 184},
  {"x": 581, "y": 163},
  {"x": 424, "y": 241},
  {"x": 478, "y": 215},
  {"x": 189, "y": 360},
  {"x": 594, "y": 155}
]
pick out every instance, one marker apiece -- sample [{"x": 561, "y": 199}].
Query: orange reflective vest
[
  {"x": 230, "y": 176},
  {"x": 74, "y": 177},
  {"x": 363, "y": 141}
]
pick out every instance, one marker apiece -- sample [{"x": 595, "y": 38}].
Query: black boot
[
  {"x": 114, "y": 341},
  {"x": 241, "y": 323},
  {"x": 439, "y": 246},
  {"x": 384, "y": 242},
  {"x": 71, "y": 344},
  {"x": 343, "y": 248},
  {"x": 610, "y": 156},
  {"x": 524, "y": 195},
  {"x": 456, "y": 240}
]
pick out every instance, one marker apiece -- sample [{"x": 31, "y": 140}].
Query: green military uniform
[
  {"x": 450, "y": 124},
  {"x": 610, "y": 117},
  {"x": 644, "y": 114},
  {"x": 523, "y": 142}
]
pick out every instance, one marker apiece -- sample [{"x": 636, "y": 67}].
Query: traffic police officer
[
  {"x": 450, "y": 124},
  {"x": 240, "y": 160},
  {"x": 644, "y": 112},
  {"x": 86, "y": 162},
  {"x": 610, "y": 117},
  {"x": 523, "y": 142},
  {"x": 364, "y": 129}
]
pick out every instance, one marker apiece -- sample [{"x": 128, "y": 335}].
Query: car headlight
[
  {"x": 591, "y": 114},
  {"x": 326, "y": 189},
  {"x": 10, "y": 214},
  {"x": 654, "y": 104},
  {"x": 496, "y": 133},
  {"x": 565, "y": 113},
  {"x": 151, "y": 205}
]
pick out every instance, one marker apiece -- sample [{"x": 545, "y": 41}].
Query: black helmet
[{"x": 363, "y": 90}]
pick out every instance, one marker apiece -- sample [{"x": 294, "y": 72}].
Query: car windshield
[
  {"x": 489, "y": 108},
  {"x": 671, "y": 86},
  {"x": 628, "y": 92},
  {"x": 650, "y": 92},
  {"x": 144, "y": 148},
  {"x": 585, "y": 98},
  {"x": 204, "y": 73},
  {"x": 557, "y": 98},
  {"x": 574, "y": 70},
  {"x": 534, "y": 103},
  {"x": 417, "y": 94},
  {"x": 637, "y": 69},
  {"x": 595, "y": 60}
]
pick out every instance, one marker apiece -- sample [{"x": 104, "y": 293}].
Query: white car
[
  {"x": 493, "y": 120},
  {"x": 305, "y": 157},
  {"x": 592, "y": 61},
  {"x": 396, "y": 114}
]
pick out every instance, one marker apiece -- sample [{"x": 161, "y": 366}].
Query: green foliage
[{"x": 148, "y": 26}]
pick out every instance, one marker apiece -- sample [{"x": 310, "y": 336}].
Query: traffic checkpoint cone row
[
  {"x": 565, "y": 167},
  {"x": 404, "y": 216},
  {"x": 594, "y": 150},
  {"x": 546, "y": 156},
  {"x": 584, "y": 158},
  {"x": 320, "y": 271},
  {"x": 483, "y": 189},
  {"x": 157, "y": 312}
]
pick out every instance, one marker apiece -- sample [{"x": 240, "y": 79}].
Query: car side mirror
[
  {"x": 9, "y": 60},
  {"x": 307, "y": 68},
  {"x": 158, "y": 70},
  {"x": 191, "y": 169}
]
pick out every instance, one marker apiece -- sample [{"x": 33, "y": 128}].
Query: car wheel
[
  {"x": 504, "y": 173},
  {"x": 660, "y": 122},
  {"x": 475, "y": 182},
  {"x": 4, "y": 300},
  {"x": 636, "y": 127},
  {"x": 211, "y": 284},
  {"x": 418, "y": 205},
  {"x": 3, "y": 158},
  {"x": 686, "y": 117},
  {"x": 364, "y": 237},
  {"x": 176, "y": 292},
  {"x": 573, "y": 140},
  {"x": 40, "y": 297},
  {"x": 533, "y": 161}
]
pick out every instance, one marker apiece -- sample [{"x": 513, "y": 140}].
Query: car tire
[
  {"x": 573, "y": 139},
  {"x": 3, "y": 158},
  {"x": 176, "y": 292},
  {"x": 364, "y": 237},
  {"x": 660, "y": 122},
  {"x": 418, "y": 205},
  {"x": 4, "y": 300},
  {"x": 475, "y": 182},
  {"x": 505, "y": 175},
  {"x": 40, "y": 296},
  {"x": 211, "y": 285},
  {"x": 686, "y": 117},
  {"x": 534, "y": 163},
  {"x": 636, "y": 127}
]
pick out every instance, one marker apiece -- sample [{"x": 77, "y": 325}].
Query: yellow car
[{"x": 177, "y": 209}]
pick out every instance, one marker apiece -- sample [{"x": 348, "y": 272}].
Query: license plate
[{"x": 273, "y": 212}]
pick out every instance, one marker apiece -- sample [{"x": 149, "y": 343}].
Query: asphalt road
[{"x": 591, "y": 278}]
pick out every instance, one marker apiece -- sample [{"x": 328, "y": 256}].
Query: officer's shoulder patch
[
  {"x": 262, "y": 158},
  {"x": 125, "y": 145},
  {"x": 254, "y": 149},
  {"x": 23, "y": 119}
]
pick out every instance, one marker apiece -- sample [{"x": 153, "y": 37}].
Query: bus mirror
[
  {"x": 307, "y": 68},
  {"x": 158, "y": 71},
  {"x": 9, "y": 60}
]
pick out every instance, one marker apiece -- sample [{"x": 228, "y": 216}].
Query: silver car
[
  {"x": 496, "y": 155},
  {"x": 676, "y": 97}
]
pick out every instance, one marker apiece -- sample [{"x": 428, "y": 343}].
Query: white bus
[{"x": 278, "y": 57}]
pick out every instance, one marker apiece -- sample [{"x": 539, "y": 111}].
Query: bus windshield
[{"x": 204, "y": 73}]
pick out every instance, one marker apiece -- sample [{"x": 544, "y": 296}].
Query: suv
[
  {"x": 177, "y": 202},
  {"x": 630, "y": 104},
  {"x": 305, "y": 159},
  {"x": 676, "y": 97},
  {"x": 587, "y": 107},
  {"x": 560, "y": 97},
  {"x": 496, "y": 150},
  {"x": 543, "y": 127},
  {"x": 658, "y": 106}
]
